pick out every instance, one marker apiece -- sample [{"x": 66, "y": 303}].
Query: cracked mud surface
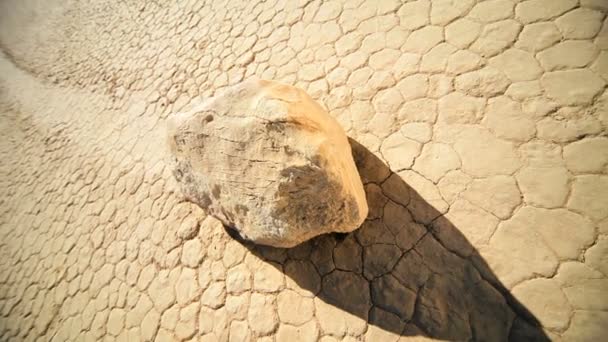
[{"x": 479, "y": 129}]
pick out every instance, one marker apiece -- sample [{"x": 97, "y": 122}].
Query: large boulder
[{"x": 266, "y": 160}]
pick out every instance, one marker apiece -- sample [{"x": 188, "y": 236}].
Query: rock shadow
[{"x": 407, "y": 271}]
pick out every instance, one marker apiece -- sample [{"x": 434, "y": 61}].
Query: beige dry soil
[{"x": 478, "y": 127}]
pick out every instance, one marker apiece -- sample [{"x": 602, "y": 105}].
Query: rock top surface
[{"x": 269, "y": 162}]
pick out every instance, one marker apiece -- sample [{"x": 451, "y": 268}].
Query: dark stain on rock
[
  {"x": 241, "y": 209},
  {"x": 216, "y": 191}
]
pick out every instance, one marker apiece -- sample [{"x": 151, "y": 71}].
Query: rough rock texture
[{"x": 269, "y": 162}]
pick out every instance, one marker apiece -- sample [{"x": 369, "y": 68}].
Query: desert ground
[{"x": 479, "y": 129}]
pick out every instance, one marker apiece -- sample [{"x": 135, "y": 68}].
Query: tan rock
[
  {"x": 293, "y": 308},
  {"x": 423, "y": 40},
  {"x": 308, "y": 332},
  {"x": 485, "y": 82},
  {"x": 444, "y": 11},
  {"x": 218, "y": 272},
  {"x": 524, "y": 90},
  {"x": 354, "y": 60},
  {"x": 328, "y": 11},
  {"x": 528, "y": 254},
  {"x": 388, "y": 6},
  {"x": 419, "y": 131},
  {"x": 580, "y": 23},
  {"x": 597, "y": 255},
  {"x": 544, "y": 187},
  {"x": 116, "y": 322},
  {"x": 380, "y": 80},
  {"x": 384, "y": 59},
  {"x": 414, "y": 15},
  {"x": 161, "y": 290},
  {"x": 234, "y": 253},
  {"x": 553, "y": 225},
  {"x": 517, "y": 64},
  {"x": 262, "y": 316},
  {"x": 221, "y": 323},
  {"x": 586, "y": 326},
  {"x": 572, "y": 87},
  {"x": 337, "y": 77},
  {"x": 453, "y": 184},
  {"x": 545, "y": 299},
  {"x": 583, "y": 286},
  {"x": 492, "y": 10},
  {"x": 352, "y": 17},
  {"x": 239, "y": 331},
  {"x": 589, "y": 196},
  {"x": 537, "y": 10},
  {"x": 603, "y": 227},
  {"x": 571, "y": 273},
  {"x": 569, "y": 54},
  {"x": 601, "y": 106},
  {"x": 188, "y": 229},
  {"x": 236, "y": 305},
  {"x": 538, "y": 107},
  {"x": 407, "y": 64},
  {"x": 192, "y": 253},
  {"x": 538, "y": 36},
  {"x": 507, "y": 120},
  {"x": 463, "y": 61},
  {"x": 601, "y": 65},
  {"x": 457, "y": 107},
  {"x": 214, "y": 296},
  {"x": 169, "y": 318},
  {"x": 440, "y": 85},
  {"x": 424, "y": 110},
  {"x": 388, "y": 100},
  {"x": 587, "y": 156},
  {"x": 484, "y": 155},
  {"x": 399, "y": 151},
  {"x": 206, "y": 317},
  {"x": 149, "y": 325},
  {"x": 498, "y": 195},
  {"x": 238, "y": 279},
  {"x": 268, "y": 278},
  {"x": 382, "y": 124},
  {"x": 476, "y": 224},
  {"x": 338, "y": 322},
  {"x": 186, "y": 287},
  {"x": 136, "y": 315},
  {"x": 313, "y": 147},
  {"x": 436, "y": 160},
  {"x": 567, "y": 130},
  {"x": 413, "y": 86},
  {"x": 462, "y": 32},
  {"x": 495, "y": 37},
  {"x": 595, "y": 4},
  {"x": 435, "y": 60},
  {"x": 375, "y": 41}
]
